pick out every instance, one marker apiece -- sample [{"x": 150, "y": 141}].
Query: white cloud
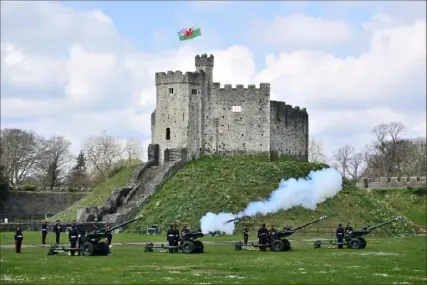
[
  {"x": 106, "y": 84},
  {"x": 299, "y": 30}
]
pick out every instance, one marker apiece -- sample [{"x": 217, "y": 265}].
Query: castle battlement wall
[
  {"x": 263, "y": 87},
  {"x": 393, "y": 182},
  {"x": 282, "y": 111},
  {"x": 204, "y": 60},
  {"x": 178, "y": 77}
]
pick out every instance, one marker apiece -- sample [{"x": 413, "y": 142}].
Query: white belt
[
  {"x": 171, "y": 235},
  {"x": 44, "y": 230},
  {"x": 18, "y": 236}
]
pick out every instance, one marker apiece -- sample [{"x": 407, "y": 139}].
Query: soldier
[
  {"x": 109, "y": 238},
  {"x": 245, "y": 235},
  {"x": 72, "y": 236},
  {"x": 81, "y": 234},
  {"x": 348, "y": 229},
  {"x": 272, "y": 231},
  {"x": 44, "y": 232},
  {"x": 262, "y": 237},
  {"x": 176, "y": 240},
  {"x": 19, "y": 237},
  {"x": 340, "y": 235},
  {"x": 170, "y": 236},
  {"x": 57, "y": 230}
]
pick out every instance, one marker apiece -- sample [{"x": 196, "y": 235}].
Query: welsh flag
[{"x": 189, "y": 33}]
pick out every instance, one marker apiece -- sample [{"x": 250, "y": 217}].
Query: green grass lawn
[
  {"x": 98, "y": 195},
  {"x": 384, "y": 261}
]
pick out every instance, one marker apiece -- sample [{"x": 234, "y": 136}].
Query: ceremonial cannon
[
  {"x": 188, "y": 244},
  {"x": 354, "y": 239},
  {"x": 91, "y": 242},
  {"x": 277, "y": 241}
]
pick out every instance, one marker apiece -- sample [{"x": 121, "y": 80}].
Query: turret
[{"x": 205, "y": 63}]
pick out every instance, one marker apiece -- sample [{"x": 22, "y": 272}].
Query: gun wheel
[
  {"x": 287, "y": 245},
  {"x": 199, "y": 247},
  {"x": 88, "y": 249},
  {"x": 102, "y": 249},
  {"x": 277, "y": 245},
  {"x": 188, "y": 247},
  {"x": 355, "y": 243}
]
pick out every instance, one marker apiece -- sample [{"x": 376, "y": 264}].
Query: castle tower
[{"x": 206, "y": 64}]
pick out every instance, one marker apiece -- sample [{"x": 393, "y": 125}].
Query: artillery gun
[
  {"x": 354, "y": 239},
  {"x": 277, "y": 241},
  {"x": 92, "y": 244},
  {"x": 188, "y": 244}
]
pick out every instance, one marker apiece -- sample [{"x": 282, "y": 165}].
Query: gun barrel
[
  {"x": 233, "y": 220},
  {"x": 123, "y": 224},
  {"x": 384, "y": 223},
  {"x": 309, "y": 223}
]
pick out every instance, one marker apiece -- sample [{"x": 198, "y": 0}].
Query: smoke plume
[{"x": 306, "y": 192}]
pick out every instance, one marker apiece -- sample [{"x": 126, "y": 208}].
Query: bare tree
[
  {"x": 356, "y": 166},
  {"x": 133, "y": 150},
  {"x": 342, "y": 157},
  {"x": 21, "y": 151},
  {"x": 52, "y": 167},
  {"x": 316, "y": 151},
  {"x": 102, "y": 152}
]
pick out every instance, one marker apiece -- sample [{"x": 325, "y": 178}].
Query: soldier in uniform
[
  {"x": 72, "y": 236},
  {"x": 57, "y": 230},
  {"x": 272, "y": 231},
  {"x": 176, "y": 240},
  {"x": 340, "y": 235},
  {"x": 109, "y": 238},
  {"x": 44, "y": 232},
  {"x": 170, "y": 236},
  {"x": 81, "y": 234},
  {"x": 348, "y": 229},
  {"x": 262, "y": 236},
  {"x": 245, "y": 235},
  {"x": 19, "y": 237}
]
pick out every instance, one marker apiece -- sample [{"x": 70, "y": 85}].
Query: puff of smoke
[{"x": 305, "y": 192}]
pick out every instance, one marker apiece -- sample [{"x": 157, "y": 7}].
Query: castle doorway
[{"x": 166, "y": 155}]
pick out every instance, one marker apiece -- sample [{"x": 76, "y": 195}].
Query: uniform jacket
[{"x": 19, "y": 236}]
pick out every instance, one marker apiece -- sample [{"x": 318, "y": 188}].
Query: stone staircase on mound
[{"x": 126, "y": 202}]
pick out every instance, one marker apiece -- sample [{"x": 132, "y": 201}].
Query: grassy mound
[
  {"x": 228, "y": 184},
  {"x": 98, "y": 195}
]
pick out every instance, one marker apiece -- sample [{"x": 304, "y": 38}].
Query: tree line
[
  {"x": 27, "y": 158},
  {"x": 389, "y": 154}
]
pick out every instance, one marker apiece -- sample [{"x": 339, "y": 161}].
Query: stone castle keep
[{"x": 194, "y": 117}]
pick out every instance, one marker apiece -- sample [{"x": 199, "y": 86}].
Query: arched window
[{"x": 168, "y": 134}]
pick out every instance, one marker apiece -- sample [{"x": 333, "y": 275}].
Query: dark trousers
[
  {"x": 171, "y": 243},
  {"x": 245, "y": 239},
  {"x": 80, "y": 245},
  {"x": 262, "y": 241},
  {"x": 340, "y": 241},
  {"x": 57, "y": 237},
  {"x": 73, "y": 244},
  {"x": 18, "y": 244},
  {"x": 109, "y": 243},
  {"x": 176, "y": 243},
  {"x": 44, "y": 234}
]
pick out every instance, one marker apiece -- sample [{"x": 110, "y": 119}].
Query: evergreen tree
[
  {"x": 78, "y": 176},
  {"x": 4, "y": 186}
]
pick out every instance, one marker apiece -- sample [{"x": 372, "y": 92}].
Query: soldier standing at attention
[
  {"x": 176, "y": 240},
  {"x": 170, "y": 236},
  {"x": 340, "y": 235},
  {"x": 19, "y": 237},
  {"x": 81, "y": 234},
  {"x": 44, "y": 232},
  {"x": 245, "y": 235},
  {"x": 72, "y": 236},
  {"x": 262, "y": 237},
  {"x": 109, "y": 238},
  {"x": 57, "y": 230},
  {"x": 272, "y": 231}
]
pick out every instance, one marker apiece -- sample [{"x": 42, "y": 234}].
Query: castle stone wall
[
  {"x": 289, "y": 131},
  {"x": 393, "y": 182},
  {"x": 247, "y": 130}
]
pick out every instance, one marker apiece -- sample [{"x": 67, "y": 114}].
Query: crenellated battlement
[
  {"x": 179, "y": 77},
  {"x": 280, "y": 110},
  {"x": 204, "y": 60},
  {"x": 264, "y": 87}
]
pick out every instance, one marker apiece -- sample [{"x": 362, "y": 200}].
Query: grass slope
[
  {"x": 391, "y": 261},
  {"x": 98, "y": 195},
  {"x": 228, "y": 184}
]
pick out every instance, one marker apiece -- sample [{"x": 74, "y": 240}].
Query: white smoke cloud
[{"x": 305, "y": 192}]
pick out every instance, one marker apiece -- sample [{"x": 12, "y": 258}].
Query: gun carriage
[
  {"x": 354, "y": 239},
  {"x": 189, "y": 243},
  {"x": 277, "y": 241},
  {"x": 92, "y": 242}
]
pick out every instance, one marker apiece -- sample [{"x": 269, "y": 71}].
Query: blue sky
[{"x": 76, "y": 68}]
